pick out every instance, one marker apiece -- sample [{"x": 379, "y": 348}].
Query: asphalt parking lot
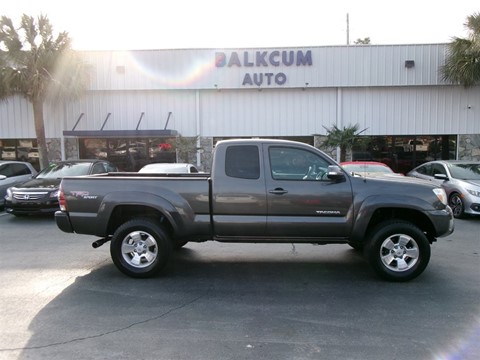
[{"x": 62, "y": 299}]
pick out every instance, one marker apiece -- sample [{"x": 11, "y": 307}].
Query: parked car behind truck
[
  {"x": 40, "y": 194},
  {"x": 13, "y": 173},
  {"x": 459, "y": 178},
  {"x": 269, "y": 191}
]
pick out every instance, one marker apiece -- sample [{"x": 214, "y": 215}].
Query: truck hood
[{"x": 396, "y": 180}]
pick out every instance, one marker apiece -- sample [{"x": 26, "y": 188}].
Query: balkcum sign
[{"x": 257, "y": 60}]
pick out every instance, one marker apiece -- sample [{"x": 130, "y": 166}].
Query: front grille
[{"x": 29, "y": 195}]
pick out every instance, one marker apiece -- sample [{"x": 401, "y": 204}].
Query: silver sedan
[{"x": 459, "y": 178}]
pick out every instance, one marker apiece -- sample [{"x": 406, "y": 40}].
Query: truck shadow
[{"x": 216, "y": 292}]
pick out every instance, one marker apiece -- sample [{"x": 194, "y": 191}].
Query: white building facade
[{"x": 393, "y": 92}]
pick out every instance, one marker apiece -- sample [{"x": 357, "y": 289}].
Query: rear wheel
[
  {"x": 397, "y": 250},
  {"x": 140, "y": 248},
  {"x": 458, "y": 208}
]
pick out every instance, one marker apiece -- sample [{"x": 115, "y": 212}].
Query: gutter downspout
[{"x": 339, "y": 119}]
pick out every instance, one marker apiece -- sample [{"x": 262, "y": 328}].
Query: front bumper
[
  {"x": 443, "y": 221},
  {"x": 16, "y": 207}
]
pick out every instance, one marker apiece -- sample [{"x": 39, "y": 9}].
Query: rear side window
[
  {"x": 242, "y": 161},
  {"x": 6, "y": 169}
]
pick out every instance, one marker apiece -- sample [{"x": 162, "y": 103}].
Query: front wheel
[
  {"x": 456, "y": 203},
  {"x": 140, "y": 248},
  {"x": 397, "y": 250}
]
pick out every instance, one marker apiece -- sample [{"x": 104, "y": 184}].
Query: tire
[
  {"x": 140, "y": 248},
  {"x": 456, "y": 203},
  {"x": 397, "y": 251}
]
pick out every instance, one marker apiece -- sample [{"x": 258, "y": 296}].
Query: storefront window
[
  {"x": 129, "y": 154},
  {"x": 403, "y": 153},
  {"x": 20, "y": 149}
]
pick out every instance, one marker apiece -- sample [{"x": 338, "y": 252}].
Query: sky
[{"x": 215, "y": 24}]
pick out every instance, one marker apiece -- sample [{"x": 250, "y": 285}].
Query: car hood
[
  {"x": 44, "y": 184},
  {"x": 473, "y": 182}
]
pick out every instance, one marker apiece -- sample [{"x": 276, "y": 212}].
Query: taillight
[{"x": 61, "y": 199}]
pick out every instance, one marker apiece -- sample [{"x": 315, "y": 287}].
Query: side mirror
[
  {"x": 334, "y": 172},
  {"x": 441, "y": 177},
  {"x": 2, "y": 177}
]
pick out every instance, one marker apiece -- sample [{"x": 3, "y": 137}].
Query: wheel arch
[
  {"x": 379, "y": 215},
  {"x": 122, "y": 213},
  {"x": 118, "y": 208}
]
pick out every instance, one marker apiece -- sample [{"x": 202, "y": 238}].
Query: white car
[{"x": 169, "y": 168}]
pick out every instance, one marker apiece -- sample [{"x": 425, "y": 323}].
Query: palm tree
[
  {"x": 364, "y": 41},
  {"x": 40, "y": 68},
  {"x": 343, "y": 138},
  {"x": 185, "y": 147},
  {"x": 462, "y": 65}
]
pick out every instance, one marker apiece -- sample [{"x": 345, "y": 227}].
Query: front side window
[
  {"x": 242, "y": 161},
  {"x": 438, "y": 169},
  {"x": 296, "y": 164},
  {"x": 98, "y": 168},
  {"x": 425, "y": 170},
  {"x": 110, "y": 167}
]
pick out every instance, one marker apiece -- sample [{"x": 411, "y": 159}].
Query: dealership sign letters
[{"x": 263, "y": 59}]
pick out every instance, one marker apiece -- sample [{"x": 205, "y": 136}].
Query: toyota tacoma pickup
[{"x": 258, "y": 191}]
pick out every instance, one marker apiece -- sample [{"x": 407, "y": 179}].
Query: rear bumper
[{"x": 63, "y": 222}]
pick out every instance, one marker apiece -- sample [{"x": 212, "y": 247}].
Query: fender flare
[{"x": 375, "y": 202}]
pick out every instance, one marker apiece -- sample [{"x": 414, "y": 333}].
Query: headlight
[
  {"x": 9, "y": 192},
  {"x": 441, "y": 195},
  {"x": 474, "y": 192},
  {"x": 54, "y": 194}
]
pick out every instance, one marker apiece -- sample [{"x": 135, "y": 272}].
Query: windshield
[
  {"x": 469, "y": 171},
  {"x": 55, "y": 171}
]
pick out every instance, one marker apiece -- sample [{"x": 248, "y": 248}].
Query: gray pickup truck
[{"x": 259, "y": 191}]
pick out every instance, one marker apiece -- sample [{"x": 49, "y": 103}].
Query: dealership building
[{"x": 145, "y": 104}]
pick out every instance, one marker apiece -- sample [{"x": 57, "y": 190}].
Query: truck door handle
[{"x": 278, "y": 191}]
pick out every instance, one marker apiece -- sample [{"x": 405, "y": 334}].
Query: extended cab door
[
  {"x": 239, "y": 206},
  {"x": 302, "y": 201}
]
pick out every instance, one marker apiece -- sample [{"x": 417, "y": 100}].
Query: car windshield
[
  {"x": 468, "y": 171},
  {"x": 54, "y": 171},
  {"x": 369, "y": 168}
]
